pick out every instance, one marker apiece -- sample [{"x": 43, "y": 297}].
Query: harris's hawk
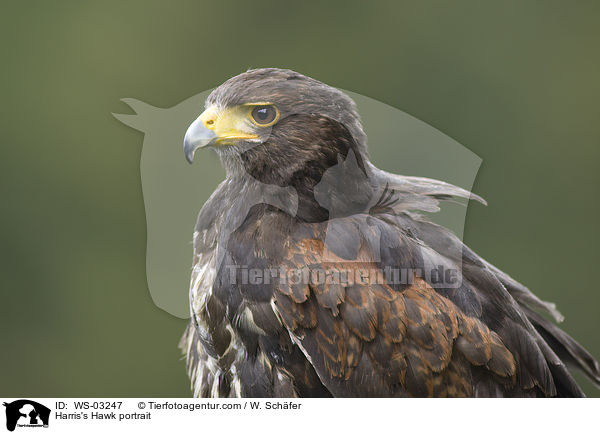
[{"x": 315, "y": 273}]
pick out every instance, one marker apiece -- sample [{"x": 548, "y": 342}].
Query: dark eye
[{"x": 264, "y": 114}]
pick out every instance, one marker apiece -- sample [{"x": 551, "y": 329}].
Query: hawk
[{"x": 316, "y": 274}]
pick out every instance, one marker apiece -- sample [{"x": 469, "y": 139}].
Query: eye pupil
[{"x": 264, "y": 114}]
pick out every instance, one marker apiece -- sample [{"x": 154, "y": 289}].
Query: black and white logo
[{"x": 26, "y": 413}]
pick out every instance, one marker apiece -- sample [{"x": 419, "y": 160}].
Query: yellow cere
[{"x": 230, "y": 123}]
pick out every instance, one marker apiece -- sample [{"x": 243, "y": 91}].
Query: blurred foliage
[{"x": 516, "y": 82}]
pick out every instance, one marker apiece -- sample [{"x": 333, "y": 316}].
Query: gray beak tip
[
  {"x": 189, "y": 156},
  {"x": 197, "y": 136}
]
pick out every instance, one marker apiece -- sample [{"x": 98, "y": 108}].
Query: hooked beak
[{"x": 197, "y": 136}]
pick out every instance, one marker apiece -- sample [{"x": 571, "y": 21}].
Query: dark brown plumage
[{"x": 301, "y": 199}]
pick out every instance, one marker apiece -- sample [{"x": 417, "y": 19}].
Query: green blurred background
[{"x": 515, "y": 82}]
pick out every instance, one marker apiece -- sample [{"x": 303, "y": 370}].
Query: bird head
[{"x": 274, "y": 121}]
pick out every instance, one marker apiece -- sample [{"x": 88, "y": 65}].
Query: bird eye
[{"x": 264, "y": 115}]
